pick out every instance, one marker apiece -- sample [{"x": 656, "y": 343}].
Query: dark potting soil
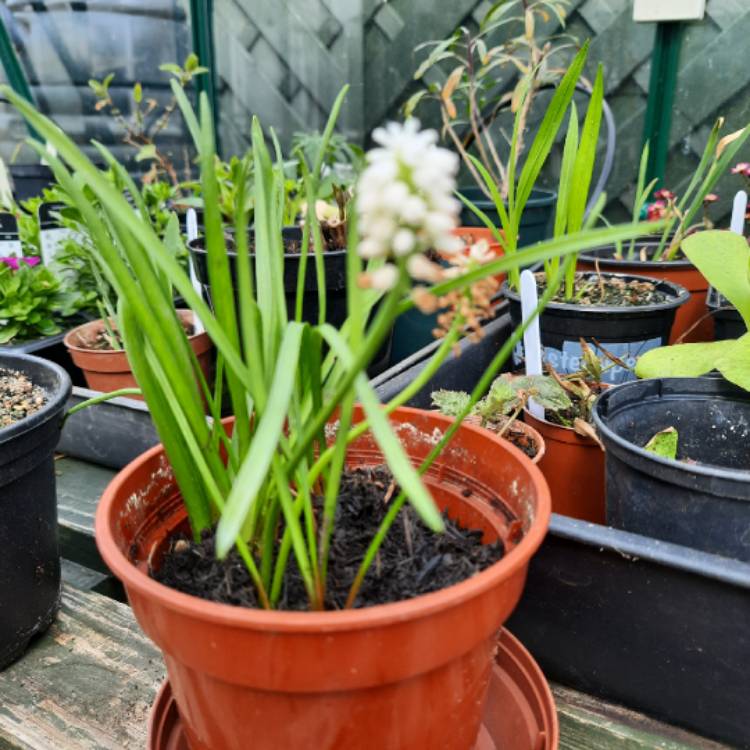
[
  {"x": 518, "y": 437},
  {"x": 593, "y": 290},
  {"x": 19, "y": 397},
  {"x": 101, "y": 340},
  {"x": 412, "y": 560},
  {"x": 580, "y": 408}
]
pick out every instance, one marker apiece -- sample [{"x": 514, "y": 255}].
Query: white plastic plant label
[
  {"x": 10, "y": 242},
  {"x": 52, "y": 235},
  {"x": 568, "y": 359},
  {"x": 669, "y": 10}
]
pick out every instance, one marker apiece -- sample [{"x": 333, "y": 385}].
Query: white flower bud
[
  {"x": 384, "y": 278},
  {"x": 422, "y": 268},
  {"x": 403, "y": 242}
]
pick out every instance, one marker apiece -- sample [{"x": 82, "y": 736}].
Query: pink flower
[
  {"x": 711, "y": 198},
  {"x": 656, "y": 211},
  {"x": 664, "y": 195},
  {"x": 742, "y": 168},
  {"x": 14, "y": 262}
]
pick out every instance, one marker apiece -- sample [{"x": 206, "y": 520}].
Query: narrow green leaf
[
  {"x": 257, "y": 462},
  {"x": 398, "y": 462}
]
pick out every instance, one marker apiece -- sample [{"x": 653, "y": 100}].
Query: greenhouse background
[{"x": 285, "y": 60}]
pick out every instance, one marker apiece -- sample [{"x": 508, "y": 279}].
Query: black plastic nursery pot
[
  {"x": 50, "y": 348},
  {"x": 728, "y": 323},
  {"x": 29, "y": 562},
  {"x": 335, "y": 271},
  {"x": 702, "y": 499},
  {"x": 536, "y": 220},
  {"x": 692, "y": 323},
  {"x": 335, "y": 280},
  {"x": 29, "y": 180},
  {"x": 626, "y": 332}
]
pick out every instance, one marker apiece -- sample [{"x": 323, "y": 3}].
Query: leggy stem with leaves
[{"x": 292, "y": 376}]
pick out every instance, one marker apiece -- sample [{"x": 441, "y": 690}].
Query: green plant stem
[
  {"x": 479, "y": 390},
  {"x": 411, "y": 390},
  {"x": 102, "y": 397}
]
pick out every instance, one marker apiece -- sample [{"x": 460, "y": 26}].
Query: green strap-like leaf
[
  {"x": 255, "y": 466},
  {"x": 398, "y": 462}
]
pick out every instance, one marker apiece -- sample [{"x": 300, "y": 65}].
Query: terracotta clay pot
[
  {"x": 681, "y": 272},
  {"x": 517, "y": 426},
  {"x": 401, "y": 676},
  {"x": 472, "y": 235},
  {"x": 107, "y": 370},
  {"x": 573, "y": 466}
]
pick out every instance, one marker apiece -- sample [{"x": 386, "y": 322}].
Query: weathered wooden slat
[
  {"x": 587, "y": 723},
  {"x": 79, "y": 487},
  {"x": 87, "y": 684}
]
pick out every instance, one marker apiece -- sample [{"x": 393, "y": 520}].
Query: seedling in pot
[
  {"x": 472, "y": 96},
  {"x": 500, "y": 408}
]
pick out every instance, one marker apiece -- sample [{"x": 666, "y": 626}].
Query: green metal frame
[
  {"x": 664, "y": 67},
  {"x": 13, "y": 70},
  {"x": 202, "y": 30}
]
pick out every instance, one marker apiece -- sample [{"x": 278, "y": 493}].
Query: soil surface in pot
[
  {"x": 100, "y": 340},
  {"x": 592, "y": 290},
  {"x": 412, "y": 560},
  {"x": 19, "y": 397},
  {"x": 522, "y": 440}
]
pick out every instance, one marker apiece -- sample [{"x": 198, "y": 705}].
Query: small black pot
[
  {"x": 335, "y": 275},
  {"x": 705, "y": 506},
  {"x": 30, "y": 179},
  {"x": 626, "y": 332},
  {"x": 30, "y": 561},
  {"x": 536, "y": 220},
  {"x": 728, "y": 323}
]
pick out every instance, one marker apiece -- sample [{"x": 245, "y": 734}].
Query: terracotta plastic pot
[
  {"x": 573, "y": 466},
  {"x": 412, "y": 674},
  {"x": 519, "y": 715},
  {"x": 519, "y": 426},
  {"x": 106, "y": 370},
  {"x": 681, "y": 272}
]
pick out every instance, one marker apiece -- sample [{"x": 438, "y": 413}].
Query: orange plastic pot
[
  {"x": 520, "y": 426},
  {"x": 408, "y": 675},
  {"x": 106, "y": 370},
  {"x": 573, "y": 466},
  {"x": 691, "y": 315},
  {"x": 471, "y": 235}
]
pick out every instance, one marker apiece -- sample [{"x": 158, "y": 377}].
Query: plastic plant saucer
[{"x": 520, "y": 712}]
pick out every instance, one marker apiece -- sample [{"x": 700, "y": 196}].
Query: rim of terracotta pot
[
  {"x": 69, "y": 336},
  {"x": 538, "y": 438},
  {"x": 314, "y": 622},
  {"x": 591, "y": 256}
]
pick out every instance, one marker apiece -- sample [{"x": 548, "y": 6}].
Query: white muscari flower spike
[{"x": 405, "y": 196}]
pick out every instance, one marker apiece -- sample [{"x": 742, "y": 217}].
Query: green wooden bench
[{"x": 88, "y": 683}]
